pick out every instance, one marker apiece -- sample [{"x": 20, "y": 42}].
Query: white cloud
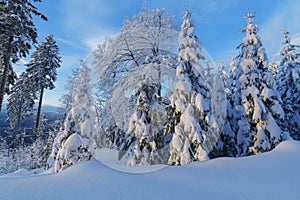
[
  {"x": 71, "y": 44},
  {"x": 87, "y": 21},
  {"x": 285, "y": 16},
  {"x": 296, "y": 39}
]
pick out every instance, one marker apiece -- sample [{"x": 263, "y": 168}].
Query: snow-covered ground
[{"x": 274, "y": 175}]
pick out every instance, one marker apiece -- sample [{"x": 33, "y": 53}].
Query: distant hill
[
  {"x": 45, "y": 108},
  {"x": 52, "y": 113}
]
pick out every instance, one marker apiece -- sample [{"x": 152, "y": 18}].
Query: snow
[
  {"x": 109, "y": 158},
  {"x": 273, "y": 175}
]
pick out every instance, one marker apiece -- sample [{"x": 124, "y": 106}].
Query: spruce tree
[
  {"x": 140, "y": 147},
  {"x": 42, "y": 70},
  {"x": 190, "y": 102},
  {"x": 288, "y": 80},
  {"x": 18, "y": 33},
  {"x": 73, "y": 150},
  {"x": 79, "y": 125},
  {"x": 227, "y": 141},
  {"x": 274, "y": 68},
  {"x": 20, "y": 101},
  {"x": 255, "y": 102}
]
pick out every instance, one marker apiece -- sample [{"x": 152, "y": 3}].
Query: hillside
[
  {"x": 52, "y": 113},
  {"x": 273, "y": 175}
]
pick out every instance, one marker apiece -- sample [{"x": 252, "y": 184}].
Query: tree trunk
[
  {"x": 159, "y": 79},
  {"x": 37, "y": 123},
  {"x": 5, "y": 62},
  {"x": 19, "y": 119}
]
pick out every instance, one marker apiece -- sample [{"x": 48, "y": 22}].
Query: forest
[{"x": 151, "y": 92}]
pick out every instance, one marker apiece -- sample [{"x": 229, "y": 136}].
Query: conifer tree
[
  {"x": 42, "y": 70},
  {"x": 227, "y": 141},
  {"x": 288, "y": 81},
  {"x": 20, "y": 101},
  {"x": 274, "y": 69},
  {"x": 190, "y": 102},
  {"x": 254, "y": 99},
  {"x": 73, "y": 150},
  {"x": 140, "y": 147},
  {"x": 18, "y": 33},
  {"x": 80, "y": 125}
]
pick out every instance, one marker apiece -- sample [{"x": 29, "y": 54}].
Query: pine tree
[
  {"x": 38, "y": 146},
  {"x": 42, "y": 70},
  {"x": 140, "y": 147},
  {"x": 73, "y": 150},
  {"x": 190, "y": 102},
  {"x": 256, "y": 104},
  {"x": 227, "y": 141},
  {"x": 274, "y": 69},
  {"x": 20, "y": 101},
  {"x": 18, "y": 32},
  {"x": 66, "y": 99},
  {"x": 83, "y": 110},
  {"x": 288, "y": 80},
  {"x": 80, "y": 124}
]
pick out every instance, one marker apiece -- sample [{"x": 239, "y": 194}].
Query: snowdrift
[{"x": 273, "y": 175}]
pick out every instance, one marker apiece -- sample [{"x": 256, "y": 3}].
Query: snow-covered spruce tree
[
  {"x": 72, "y": 151},
  {"x": 193, "y": 136},
  {"x": 255, "y": 102},
  {"x": 227, "y": 141},
  {"x": 274, "y": 68},
  {"x": 83, "y": 110},
  {"x": 80, "y": 124},
  {"x": 47, "y": 151},
  {"x": 288, "y": 82},
  {"x": 42, "y": 70},
  {"x": 140, "y": 146},
  {"x": 66, "y": 99},
  {"x": 20, "y": 101},
  {"x": 18, "y": 32},
  {"x": 56, "y": 133},
  {"x": 38, "y": 160}
]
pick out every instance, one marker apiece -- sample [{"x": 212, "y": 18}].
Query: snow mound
[
  {"x": 273, "y": 175},
  {"x": 288, "y": 146},
  {"x": 109, "y": 157}
]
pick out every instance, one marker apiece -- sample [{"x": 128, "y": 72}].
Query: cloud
[
  {"x": 70, "y": 43},
  {"x": 94, "y": 20},
  {"x": 296, "y": 39},
  {"x": 286, "y": 15},
  {"x": 88, "y": 21}
]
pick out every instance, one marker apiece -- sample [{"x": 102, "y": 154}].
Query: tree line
[{"x": 158, "y": 106}]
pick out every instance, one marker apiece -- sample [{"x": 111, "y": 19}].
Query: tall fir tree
[
  {"x": 227, "y": 141},
  {"x": 190, "y": 102},
  {"x": 288, "y": 81},
  {"x": 274, "y": 68},
  {"x": 42, "y": 70},
  {"x": 78, "y": 133},
  {"x": 18, "y": 33},
  {"x": 255, "y": 102},
  {"x": 20, "y": 101},
  {"x": 140, "y": 146}
]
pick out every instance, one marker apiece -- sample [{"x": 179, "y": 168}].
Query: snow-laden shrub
[{"x": 73, "y": 150}]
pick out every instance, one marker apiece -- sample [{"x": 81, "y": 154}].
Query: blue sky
[{"x": 78, "y": 26}]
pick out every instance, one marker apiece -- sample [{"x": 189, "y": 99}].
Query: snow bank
[{"x": 273, "y": 175}]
